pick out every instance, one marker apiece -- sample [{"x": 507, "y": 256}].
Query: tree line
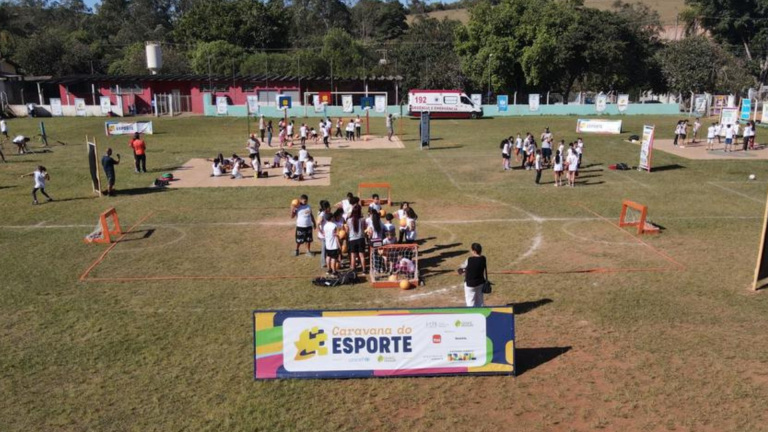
[{"x": 506, "y": 46}]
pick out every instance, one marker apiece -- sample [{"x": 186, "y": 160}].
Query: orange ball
[
  {"x": 342, "y": 234},
  {"x": 403, "y": 223},
  {"x": 383, "y": 213},
  {"x": 295, "y": 203},
  {"x": 405, "y": 284}
]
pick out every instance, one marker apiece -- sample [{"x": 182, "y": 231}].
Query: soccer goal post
[
  {"x": 392, "y": 264},
  {"x": 106, "y": 229},
  {"x": 634, "y": 214}
]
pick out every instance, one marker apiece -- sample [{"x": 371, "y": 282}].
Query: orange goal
[
  {"x": 634, "y": 214},
  {"x": 103, "y": 233},
  {"x": 368, "y": 189},
  {"x": 392, "y": 264}
]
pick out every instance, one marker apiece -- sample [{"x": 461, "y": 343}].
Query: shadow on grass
[
  {"x": 530, "y": 358},
  {"x": 667, "y": 168},
  {"x": 138, "y": 235},
  {"x": 584, "y": 183},
  {"x": 166, "y": 169},
  {"x": 141, "y": 191},
  {"x": 77, "y": 198},
  {"x": 525, "y": 307},
  {"x": 434, "y": 261},
  {"x": 446, "y": 148}
]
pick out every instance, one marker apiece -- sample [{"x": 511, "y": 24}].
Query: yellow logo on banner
[{"x": 311, "y": 342}]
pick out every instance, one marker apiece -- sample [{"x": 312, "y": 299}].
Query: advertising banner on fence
[
  {"x": 56, "y": 110},
  {"x": 700, "y": 105},
  {"x": 503, "y": 102},
  {"x": 80, "y": 107},
  {"x": 106, "y": 105},
  {"x": 646, "y": 148},
  {"x": 622, "y": 103},
  {"x": 612, "y": 127},
  {"x": 533, "y": 102},
  {"x": 384, "y": 343},
  {"x": 319, "y": 106},
  {"x": 746, "y": 109},
  {"x": 366, "y": 103},
  {"x": 764, "y": 119},
  {"x": 284, "y": 102},
  {"x": 729, "y": 116},
  {"x": 346, "y": 103},
  {"x": 381, "y": 103},
  {"x": 221, "y": 105},
  {"x": 601, "y": 103},
  {"x": 325, "y": 97},
  {"x": 718, "y": 104},
  {"x": 253, "y": 104},
  {"x": 124, "y": 128},
  {"x": 476, "y": 98}
]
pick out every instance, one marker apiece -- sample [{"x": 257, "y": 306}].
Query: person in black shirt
[
  {"x": 475, "y": 271},
  {"x": 109, "y": 170}
]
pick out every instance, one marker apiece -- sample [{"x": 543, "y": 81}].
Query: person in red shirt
[{"x": 139, "y": 152}]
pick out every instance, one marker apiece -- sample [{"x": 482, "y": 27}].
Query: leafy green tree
[
  {"x": 134, "y": 61},
  {"x": 426, "y": 58},
  {"x": 741, "y": 23},
  {"x": 378, "y": 20},
  {"x": 312, "y": 19},
  {"x": 346, "y": 56},
  {"x": 700, "y": 65},
  {"x": 218, "y": 58}
]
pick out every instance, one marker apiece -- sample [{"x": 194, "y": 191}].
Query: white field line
[
  {"x": 430, "y": 222},
  {"x": 605, "y": 169},
  {"x": 443, "y": 170},
  {"x": 538, "y": 239},
  {"x": 430, "y": 293},
  {"x": 727, "y": 189}
]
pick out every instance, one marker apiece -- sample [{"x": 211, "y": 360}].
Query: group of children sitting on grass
[
  {"x": 296, "y": 167},
  {"x": 348, "y": 237}
]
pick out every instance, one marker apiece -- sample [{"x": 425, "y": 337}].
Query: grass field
[{"x": 678, "y": 345}]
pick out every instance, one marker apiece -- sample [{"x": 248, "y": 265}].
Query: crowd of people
[
  {"x": 537, "y": 158},
  {"x": 348, "y": 231}
]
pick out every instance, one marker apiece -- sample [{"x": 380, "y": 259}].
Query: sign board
[
  {"x": 284, "y": 102},
  {"x": 622, "y": 103},
  {"x": 80, "y": 107},
  {"x": 601, "y": 103},
  {"x": 106, "y": 105},
  {"x": 319, "y": 106},
  {"x": 746, "y": 109},
  {"x": 383, "y": 343},
  {"x": 125, "y": 128},
  {"x": 646, "y": 148},
  {"x": 366, "y": 102},
  {"x": 718, "y": 104},
  {"x": 731, "y": 101},
  {"x": 253, "y": 104},
  {"x": 325, "y": 97},
  {"x": 381, "y": 103},
  {"x": 56, "y": 110},
  {"x": 346, "y": 104},
  {"x": 503, "y": 102},
  {"x": 729, "y": 116},
  {"x": 764, "y": 119},
  {"x": 612, "y": 127},
  {"x": 533, "y": 102},
  {"x": 221, "y": 105},
  {"x": 700, "y": 105},
  {"x": 477, "y": 99},
  {"x": 424, "y": 129}
]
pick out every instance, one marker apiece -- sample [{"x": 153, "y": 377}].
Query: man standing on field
[
  {"x": 305, "y": 224},
  {"x": 139, "y": 152}
]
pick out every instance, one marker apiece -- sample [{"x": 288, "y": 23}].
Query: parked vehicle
[{"x": 442, "y": 104}]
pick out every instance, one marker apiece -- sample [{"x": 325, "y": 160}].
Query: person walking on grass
[
  {"x": 558, "y": 169},
  {"x": 505, "y": 154},
  {"x": 390, "y": 127},
  {"x": 109, "y": 170},
  {"x": 4, "y": 129},
  {"x": 696, "y": 127},
  {"x": 729, "y": 138},
  {"x": 573, "y": 166},
  {"x": 21, "y": 143},
  {"x": 305, "y": 223},
  {"x": 475, "y": 272},
  {"x": 358, "y": 127},
  {"x": 538, "y": 165},
  {"x": 40, "y": 176},
  {"x": 270, "y": 130},
  {"x": 139, "y": 153}
]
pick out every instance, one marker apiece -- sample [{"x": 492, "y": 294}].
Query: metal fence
[{"x": 173, "y": 104}]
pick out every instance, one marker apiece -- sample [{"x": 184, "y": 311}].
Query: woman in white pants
[{"x": 474, "y": 270}]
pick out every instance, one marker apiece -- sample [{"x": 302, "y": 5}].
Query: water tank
[{"x": 154, "y": 56}]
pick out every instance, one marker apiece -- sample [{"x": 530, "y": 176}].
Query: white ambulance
[{"x": 442, "y": 104}]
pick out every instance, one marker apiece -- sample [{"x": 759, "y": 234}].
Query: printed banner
[
  {"x": 746, "y": 109},
  {"x": 106, "y": 104},
  {"x": 80, "y": 107},
  {"x": 253, "y": 104},
  {"x": 381, "y": 103},
  {"x": 700, "y": 105},
  {"x": 601, "y": 103},
  {"x": 646, "y": 147},
  {"x": 346, "y": 104},
  {"x": 598, "y": 126},
  {"x": 325, "y": 97},
  {"x": 56, "y": 110},
  {"x": 732, "y": 101},
  {"x": 319, "y": 106},
  {"x": 284, "y": 102},
  {"x": 123, "y": 128},
  {"x": 366, "y": 102},
  {"x": 729, "y": 116},
  {"x": 763, "y": 120},
  {"x": 623, "y": 102},
  {"x": 384, "y": 343},
  {"x": 533, "y": 102},
  {"x": 476, "y": 98},
  {"x": 503, "y": 102},
  {"x": 719, "y": 104},
  {"x": 221, "y": 105}
]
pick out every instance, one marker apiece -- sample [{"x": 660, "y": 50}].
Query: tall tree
[{"x": 425, "y": 56}]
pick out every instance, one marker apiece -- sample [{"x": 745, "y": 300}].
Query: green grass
[{"x": 674, "y": 350}]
